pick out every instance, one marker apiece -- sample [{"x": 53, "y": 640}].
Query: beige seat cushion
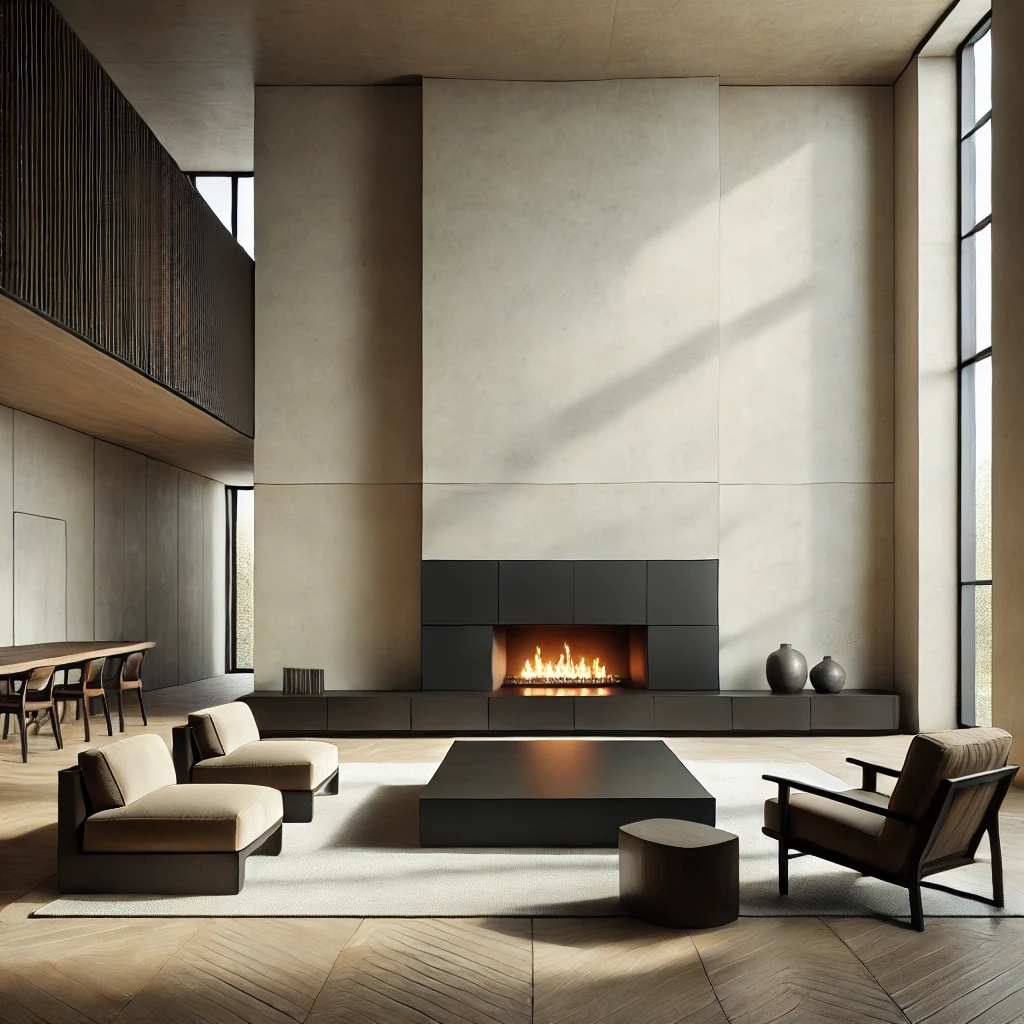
[
  {"x": 839, "y": 827},
  {"x": 222, "y": 729},
  {"x": 282, "y": 764},
  {"x": 185, "y": 819},
  {"x": 125, "y": 771}
]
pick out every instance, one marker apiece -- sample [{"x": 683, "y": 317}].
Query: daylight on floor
[{"x": 507, "y": 514}]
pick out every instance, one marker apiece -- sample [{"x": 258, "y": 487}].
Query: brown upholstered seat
[
  {"x": 282, "y": 764},
  {"x": 222, "y": 744},
  {"x": 946, "y": 797},
  {"x": 185, "y": 819}
]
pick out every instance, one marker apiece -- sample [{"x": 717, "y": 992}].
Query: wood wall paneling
[{"x": 100, "y": 231}]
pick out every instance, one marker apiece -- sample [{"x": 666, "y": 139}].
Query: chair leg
[
  {"x": 996, "y": 851},
  {"x": 142, "y": 707},
  {"x": 7, "y": 723},
  {"x": 120, "y": 710},
  {"x": 916, "y": 909},
  {"x": 86, "y": 715},
  {"x": 23, "y": 728},
  {"x": 783, "y": 869},
  {"x": 55, "y": 725},
  {"x": 106, "y": 711}
]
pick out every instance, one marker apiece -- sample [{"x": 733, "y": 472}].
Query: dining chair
[
  {"x": 82, "y": 691},
  {"x": 35, "y": 694},
  {"x": 128, "y": 677}
]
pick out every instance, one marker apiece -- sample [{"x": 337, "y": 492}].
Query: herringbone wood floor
[{"x": 457, "y": 971}]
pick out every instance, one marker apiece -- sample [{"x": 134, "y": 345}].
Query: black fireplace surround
[
  {"x": 667, "y": 611},
  {"x": 672, "y": 606}
]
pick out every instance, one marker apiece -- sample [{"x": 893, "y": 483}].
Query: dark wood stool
[{"x": 679, "y": 874}]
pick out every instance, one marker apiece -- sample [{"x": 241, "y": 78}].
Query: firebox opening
[{"x": 592, "y": 658}]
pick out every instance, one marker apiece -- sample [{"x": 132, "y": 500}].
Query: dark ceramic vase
[
  {"x": 786, "y": 670},
  {"x": 828, "y": 676}
]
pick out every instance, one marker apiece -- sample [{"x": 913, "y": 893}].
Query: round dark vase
[
  {"x": 786, "y": 670},
  {"x": 828, "y": 676}
]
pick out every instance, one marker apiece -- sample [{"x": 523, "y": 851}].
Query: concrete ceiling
[{"x": 188, "y": 66}]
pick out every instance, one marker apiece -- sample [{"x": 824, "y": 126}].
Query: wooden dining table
[{"x": 17, "y": 660}]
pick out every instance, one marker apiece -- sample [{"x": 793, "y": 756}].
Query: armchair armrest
[
  {"x": 785, "y": 785},
  {"x": 871, "y": 772}
]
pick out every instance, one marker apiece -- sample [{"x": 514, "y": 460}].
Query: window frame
[
  {"x": 231, "y": 606},
  {"x": 234, "y": 176},
  {"x": 966, "y": 519}
]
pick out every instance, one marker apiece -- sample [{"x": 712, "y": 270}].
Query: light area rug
[{"x": 360, "y": 857}]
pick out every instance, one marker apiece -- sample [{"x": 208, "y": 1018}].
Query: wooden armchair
[{"x": 947, "y": 796}]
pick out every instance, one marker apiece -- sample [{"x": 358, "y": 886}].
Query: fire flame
[{"x": 565, "y": 668}]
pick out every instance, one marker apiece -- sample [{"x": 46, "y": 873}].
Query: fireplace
[
  {"x": 532, "y": 660},
  {"x": 620, "y": 625}
]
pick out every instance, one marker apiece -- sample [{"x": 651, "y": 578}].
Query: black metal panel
[
  {"x": 457, "y": 657},
  {"x": 855, "y": 712},
  {"x": 771, "y": 712},
  {"x": 386, "y": 713},
  {"x": 514, "y": 713},
  {"x": 535, "y": 593},
  {"x": 682, "y": 657},
  {"x": 627, "y": 712},
  {"x": 102, "y": 234},
  {"x": 610, "y": 593},
  {"x": 460, "y": 593},
  {"x": 692, "y": 712},
  {"x": 682, "y": 593},
  {"x": 436, "y": 712},
  {"x": 287, "y": 714}
]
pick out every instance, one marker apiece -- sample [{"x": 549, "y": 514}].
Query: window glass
[
  {"x": 976, "y": 292},
  {"x": 243, "y": 582},
  {"x": 982, "y": 58},
  {"x": 217, "y": 193},
  {"x": 976, "y": 363},
  {"x": 246, "y": 236},
  {"x": 976, "y": 176}
]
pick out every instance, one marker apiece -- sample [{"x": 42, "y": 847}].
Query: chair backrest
[
  {"x": 131, "y": 669},
  {"x": 220, "y": 730},
  {"x": 92, "y": 671},
  {"x": 39, "y": 680},
  {"x": 121, "y": 772},
  {"x": 933, "y": 757}
]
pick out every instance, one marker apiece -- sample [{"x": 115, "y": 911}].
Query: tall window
[
  {"x": 975, "y": 69},
  {"x": 230, "y": 196},
  {"x": 240, "y": 577}
]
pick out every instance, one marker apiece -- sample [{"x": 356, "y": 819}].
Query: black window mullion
[
  {"x": 980, "y": 226},
  {"x": 980, "y": 123}
]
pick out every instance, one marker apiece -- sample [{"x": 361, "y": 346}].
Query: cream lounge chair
[
  {"x": 222, "y": 744},
  {"x": 125, "y": 826}
]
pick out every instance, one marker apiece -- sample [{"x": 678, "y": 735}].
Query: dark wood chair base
[
  {"x": 298, "y": 803},
  {"x": 164, "y": 874}
]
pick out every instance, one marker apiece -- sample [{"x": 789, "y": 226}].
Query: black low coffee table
[{"x": 555, "y": 792}]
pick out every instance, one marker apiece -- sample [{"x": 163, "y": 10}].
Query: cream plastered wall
[
  {"x": 926, "y": 395},
  {"x": 658, "y": 322},
  {"x": 141, "y": 543},
  {"x": 338, "y": 464},
  {"x": 1008, "y": 373}
]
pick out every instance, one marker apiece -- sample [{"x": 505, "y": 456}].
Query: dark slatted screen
[{"x": 102, "y": 233}]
